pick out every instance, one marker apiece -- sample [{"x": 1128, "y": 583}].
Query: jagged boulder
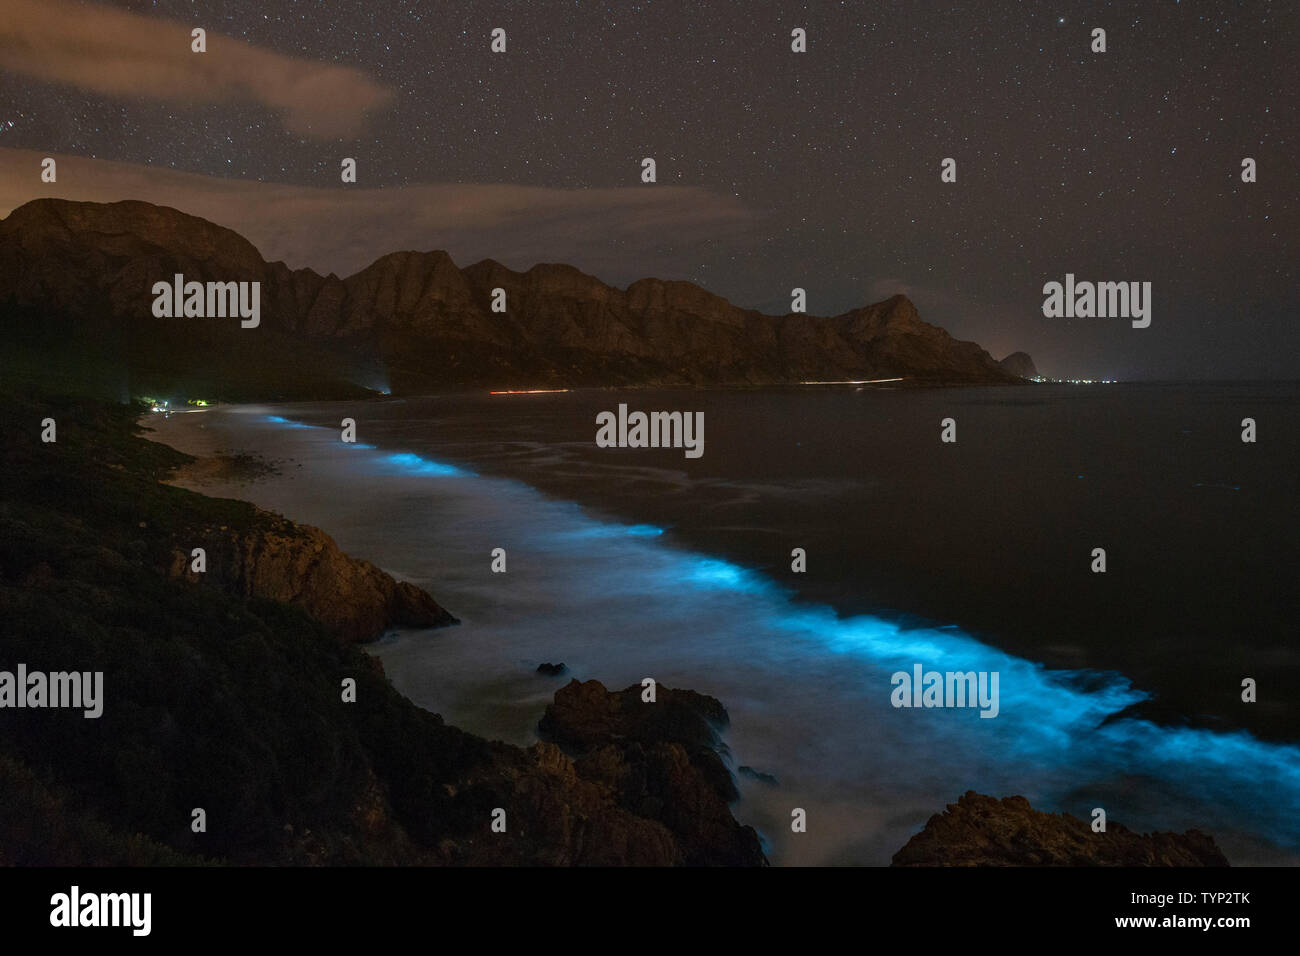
[
  {"x": 660, "y": 760},
  {"x": 301, "y": 565},
  {"x": 979, "y": 830}
]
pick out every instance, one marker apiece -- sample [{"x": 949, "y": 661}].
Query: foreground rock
[
  {"x": 301, "y": 565},
  {"x": 983, "y": 831},
  {"x": 660, "y": 761}
]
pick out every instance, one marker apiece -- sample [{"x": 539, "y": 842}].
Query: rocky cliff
[
  {"x": 983, "y": 831},
  {"x": 301, "y": 565},
  {"x": 425, "y": 323}
]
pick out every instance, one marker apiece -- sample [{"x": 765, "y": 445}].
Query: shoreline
[
  {"x": 400, "y": 651},
  {"x": 922, "y": 577}
]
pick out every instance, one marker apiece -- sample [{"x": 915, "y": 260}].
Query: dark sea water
[{"x": 1119, "y": 690}]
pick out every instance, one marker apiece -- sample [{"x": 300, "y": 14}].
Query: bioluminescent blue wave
[
  {"x": 415, "y": 465},
  {"x": 643, "y": 530},
  {"x": 715, "y": 573},
  {"x": 610, "y": 530},
  {"x": 406, "y": 461},
  {"x": 808, "y": 690},
  {"x": 289, "y": 423},
  {"x": 277, "y": 420}
]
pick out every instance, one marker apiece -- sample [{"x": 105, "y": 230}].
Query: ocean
[{"x": 1119, "y": 690}]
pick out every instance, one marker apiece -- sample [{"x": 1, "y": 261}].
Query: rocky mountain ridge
[{"x": 424, "y": 323}]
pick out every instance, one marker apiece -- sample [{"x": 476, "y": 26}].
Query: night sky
[{"x": 775, "y": 169}]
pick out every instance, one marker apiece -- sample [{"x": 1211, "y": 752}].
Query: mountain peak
[
  {"x": 160, "y": 226},
  {"x": 1019, "y": 363}
]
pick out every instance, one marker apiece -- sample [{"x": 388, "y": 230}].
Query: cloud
[
  {"x": 651, "y": 230},
  {"x": 118, "y": 54}
]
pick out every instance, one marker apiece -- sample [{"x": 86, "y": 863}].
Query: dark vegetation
[
  {"x": 209, "y": 701},
  {"x": 99, "y": 356},
  {"x": 235, "y": 705}
]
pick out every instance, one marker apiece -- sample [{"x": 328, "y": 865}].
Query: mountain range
[{"x": 76, "y": 279}]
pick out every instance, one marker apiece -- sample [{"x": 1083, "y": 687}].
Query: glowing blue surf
[
  {"x": 417, "y": 465},
  {"x": 1059, "y": 736},
  {"x": 277, "y": 420},
  {"x": 405, "y": 461},
  {"x": 1047, "y": 717}
]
